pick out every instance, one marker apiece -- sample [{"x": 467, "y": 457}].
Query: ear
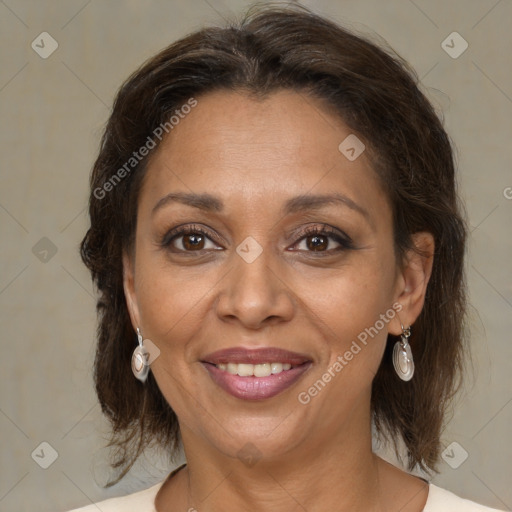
[
  {"x": 412, "y": 281},
  {"x": 129, "y": 290}
]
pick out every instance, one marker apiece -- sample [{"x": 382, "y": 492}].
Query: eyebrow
[
  {"x": 205, "y": 202},
  {"x": 208, "y": 202},
  {"x": 316, "y": 202}
]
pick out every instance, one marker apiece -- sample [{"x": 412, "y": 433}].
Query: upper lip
[{"x": 242, "y": 355}]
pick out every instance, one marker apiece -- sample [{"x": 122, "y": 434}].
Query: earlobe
[
  {"x": 129, "y": 290},
  {"x": 413, "y": 279}
]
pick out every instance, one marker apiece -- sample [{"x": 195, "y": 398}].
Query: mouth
[{"x": 255, "y": 374}]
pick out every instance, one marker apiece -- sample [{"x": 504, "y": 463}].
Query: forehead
[
  {"x": 274, "y": 148},
  {"x": 286, "y": 126}
]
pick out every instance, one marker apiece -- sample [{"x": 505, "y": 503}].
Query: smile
[{"x": 255, "y": 374}]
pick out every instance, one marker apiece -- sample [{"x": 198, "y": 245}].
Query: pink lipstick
[{"x": 255, "y": 374}]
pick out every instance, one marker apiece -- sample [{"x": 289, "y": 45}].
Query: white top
[{"x": 439, "y": 500}]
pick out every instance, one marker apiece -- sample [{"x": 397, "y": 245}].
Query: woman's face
[{"x": 288, "y": 246}]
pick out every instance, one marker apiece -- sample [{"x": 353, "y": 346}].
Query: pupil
[
  {"x": 318, "y": 242},
  {"x": 193, "y": 241}
]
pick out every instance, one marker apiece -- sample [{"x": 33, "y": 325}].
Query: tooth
[
  {"x": 245, "y": 370},
  {"x": 257, "y": 370},
  {"x": 232, "y": 368},
  {"x": 262, "y": 370},
  {"x": 276, "y": 367}
]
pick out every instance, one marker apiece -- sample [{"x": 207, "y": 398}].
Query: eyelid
[
  {"x": 183, "y": 230},
  {"x": 324, "y": 229}
]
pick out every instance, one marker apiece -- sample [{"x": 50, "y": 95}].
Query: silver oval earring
[
  {"x": 140, "y": 358},
  {"x": 402, "y": 356}
]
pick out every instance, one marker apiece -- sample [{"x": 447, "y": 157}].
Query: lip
[
  {"x": 242, "y": 355},
  {"x": 256, "y": 388}
]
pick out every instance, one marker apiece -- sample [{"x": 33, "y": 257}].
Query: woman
[{"x": 278, "y": 247}]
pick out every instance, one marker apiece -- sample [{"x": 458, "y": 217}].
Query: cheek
[
  {"x": 164, "y": 303},
  {"x": 352, "y": 298},
  {"x": 172, "y": 310},
  {"x": 172, "y": 301},
  {"x": 353, "y": 311}
]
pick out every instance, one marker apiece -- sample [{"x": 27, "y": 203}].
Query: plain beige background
[{"x": 53, "y": 110}]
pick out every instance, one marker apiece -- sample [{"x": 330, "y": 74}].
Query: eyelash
[{"x": 344, "y": 241}]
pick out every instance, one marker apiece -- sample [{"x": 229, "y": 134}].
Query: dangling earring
[
  {"x": 402, "y": 356},
  {"x": 140, "y": 357}
]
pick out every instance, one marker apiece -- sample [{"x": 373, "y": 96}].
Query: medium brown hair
[{"x": 377, "y": 95}]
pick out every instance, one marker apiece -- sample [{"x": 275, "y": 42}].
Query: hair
[{"x": 377, "y": 96}]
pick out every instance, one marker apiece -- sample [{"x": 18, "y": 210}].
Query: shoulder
[
  {"x": 441, "y": 500},
  {"x": 142, "y": 501}
]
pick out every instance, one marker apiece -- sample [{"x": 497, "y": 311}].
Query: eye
[
  {"x": 188, "y": 239},
  {"x": 323, "y": 240}
]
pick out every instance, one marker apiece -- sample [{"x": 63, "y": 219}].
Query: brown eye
[
  {"x": 317, "y": 242},
  {"x": 188, "y": 239},
  {"x": 193, "y": 242},
  {"x": 323, "y": 240}
]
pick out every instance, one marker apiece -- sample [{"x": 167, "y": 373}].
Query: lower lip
[{"x": 256, "y": 388}]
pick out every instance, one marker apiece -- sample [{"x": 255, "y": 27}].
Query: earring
[
  {"x": 402, "y": 356},
  {"x": 140, "y": 357}
]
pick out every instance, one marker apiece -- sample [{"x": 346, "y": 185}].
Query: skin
[{"x": 254, "y": 155}]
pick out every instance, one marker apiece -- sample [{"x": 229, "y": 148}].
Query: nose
[{"x": 255, "y": 294}]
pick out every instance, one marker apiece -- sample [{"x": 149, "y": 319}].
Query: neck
[{"x": 341, "y": 474}]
